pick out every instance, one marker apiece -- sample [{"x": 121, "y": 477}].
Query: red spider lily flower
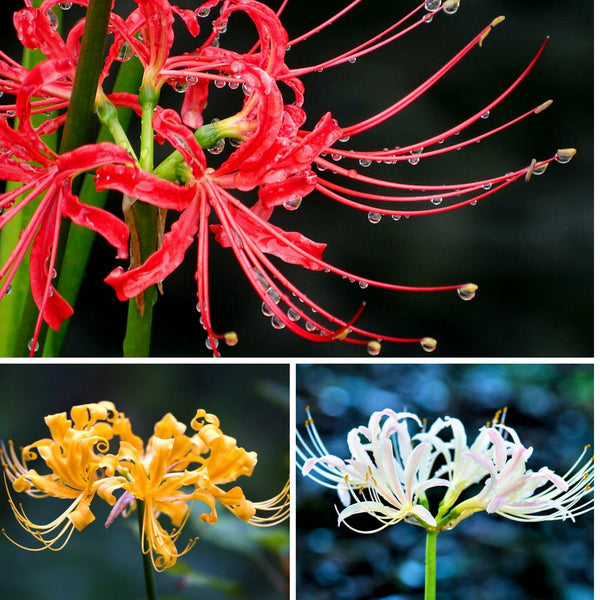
[
  {"x": 46, "y": 180},
  {"x": 275, "y": 156}
]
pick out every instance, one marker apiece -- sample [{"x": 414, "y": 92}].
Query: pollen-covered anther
[
  {"x": 543, "y": 106},
  {"x": 231, "y": 338},
  {"x": 428, "y": 344},
  {"x": 564, "y": 155},
  {"x": 495, "y": 22},
  {"x": 374, "y": 348},
  {"x": 467, "y": 291},
  {"x": 342, "y": 335}
]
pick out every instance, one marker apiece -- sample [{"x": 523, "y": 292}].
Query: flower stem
[
  {"x": 151, "y": 593},
  {"x": 430, "y": 559}
]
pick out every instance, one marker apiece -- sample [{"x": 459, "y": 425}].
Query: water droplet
[
  {"x": 8, "y": 291},
  {"x": 363, "y": 285},
  {"x": 486, "y": 114},
  {"x": 310, "y": 326},
  {"x": 428, "y": 344},
  {"x": 467, "y": 291},
  {"x": 125, "y": 52},
  {"x": 181, "y": 86},
  {"x": 53, "y": 23},
  {"x": 344, "y": 139},
  {"x": 396, "y": 217},
  {"x": 233, "y": 85},
  {"x": 11, "y": 113},
  {"x": 487, "y": 186},
  {"x": 373, "y": 348},
  {"x": 211, "y": 343},
  {"x": 276, "y": 323},
  {"x": 432, "y": 5},
  {"x": 231, "y": 338},
  {"x": 473, "y": 203},
  {"x": 266, "y": 310},
  {"x": 220, "y": 26},
  {"x": 235, "y": 142},
  {"x": 436, "y": 201},
  {"x": 352, "y": 59},
  {"x": 414, "y": 160},
  {"x": 30, "y": 345},
  {"x": 336, "y": 157},
  {"x": 321, "y": 167},
  {"x": 65, "y": 5},
  {"x": 220, "y": 84},
  {"x": 218, "y": 147},
  {"x": 365, "y": 162},
  {"x": 427, "y": 18},
  {"x": 274, "y": 295},
  {"x": 293, "y": 315},
  {"x": 451, "y": 6},
  {"x": 374, "y": 217},
  {"x": 292, "y": 204},
  {"x": 539, "y": 169},
  {"x": 50, "y": 292},
  {"x": 564, "y": 155},
  {"x": 192, "y": 79},
  {"x": 246, "y": 89},
  {"x": 203, "y": 12}
]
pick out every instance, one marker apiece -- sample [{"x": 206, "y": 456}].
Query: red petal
[
  {"x": 291, "y": 190},
  {"x": 194, "y": 102},
  {"x": 35, "y": 31}
]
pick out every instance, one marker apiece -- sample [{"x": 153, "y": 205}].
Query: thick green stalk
[
  {"x": 144, "y": 220},
  {"x": 151, "y": 593},
  {"x": 430, "y": 560}
]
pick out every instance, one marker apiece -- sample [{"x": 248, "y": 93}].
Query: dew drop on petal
[
  {"x": 292, "y": 204},
  {"x": 203, "y": 12},
  {"x": 30, "y": 345},
  {"x": 293, "y": 315},
  {"x": 373, "y": 348},
  {"x": 8, "y": 291},
  {"x": 277, "y": 323},
  {"x": 192, "y": 79},
  {"x": 428, "y": 344},
  {"x": 65, "y": 5},
  {"x": 235, "y": 142},
  {"x": 181, "y": 87},
  {"x": 53, "y": 23},
  {"x": 374, "y": 217},
  {"x": 218, "y": 147},
  {"x": 467, "y": 291},
  {"x": 220, "y": 26}
]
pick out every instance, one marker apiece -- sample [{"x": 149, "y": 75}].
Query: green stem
[
  {"x": 151, "y": 593},
  {"x": 430, "y": 559}
]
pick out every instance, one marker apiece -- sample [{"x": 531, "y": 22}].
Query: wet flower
[
  {"x": 390, "y": 471},
  {"x": 164, "y": 477}
]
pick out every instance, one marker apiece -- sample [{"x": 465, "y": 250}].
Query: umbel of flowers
[
  {"x": 392, "y": 474},
  {"x": 274, "y": 155},
  {"x": 94, "y": 453}
]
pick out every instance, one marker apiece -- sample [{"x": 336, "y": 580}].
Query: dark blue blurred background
[
  {"x": 232, "y": 559},
  {"x": 486, "y": 557},
  {"x": 529, "y": 248}
]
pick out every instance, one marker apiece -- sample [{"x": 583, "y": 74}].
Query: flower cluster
[
  {"x": 391, "y": 471},
  {"x": 275, "y": 154},
  {"x": 164, "y": 477}
]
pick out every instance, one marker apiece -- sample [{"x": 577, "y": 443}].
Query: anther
[
  {"x": 564, "y": 155},
  {"x": 373, "y": 348},
  {"x": 543, "y": 106},
  {"x": 467, "y": 291},
  {"x": 428, "y": 344},
  {"x": 231, "y": 338}
]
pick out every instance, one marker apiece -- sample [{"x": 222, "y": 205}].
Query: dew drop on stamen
[
  {"x": 363, "y": 285},
  {"x": 396, "y": 217},
  {"x": 65, "y": 5},
  {"x": 373, "y": 348},
  {"x": 374, "y": 217},
  {"x": 428, "y": 344},
  {"x": 473, "y": 203},
  {"x": 564, "y": 155},
  {"x": 203, "y": 12},
  {"x": 310, "y": 326},
  {"x": 427, "y": 18},
  {"x": 451, "y": 6},
  {"x": 467, "y": 292},
  {"x": 436, "y": 201},
  {"x": 277, "y": 323},
  {"x": 321, "y": 167},
  {"x": 53, "y": 23},
  {"x": 432, "y": 5},
  {"x": 211, "y": 343},
  {"x": 220, "y": 26},
  {"x": 30, "y": 345},
  {"x": 539, "y": 169},
  {"x": 486, "y": 114},
  {"x": 293, "y": 315},
  {"x": 486, "y": 186},
  {"x": 192, "y": 79},
  {"x": 266, "y": 310},
  {"x": 246, "y": 89},
  {"x": 220, "y": 84},
  {"x": 8, "y": 291},
  {"x": 233, "y": 85},
  {"x": 235, "y": 142},
  {"x": 352, "y": 60},
  {"x": 336, "y": 157},
  {"x": 125, "y": 52},
  {"x": 181, "y": 87},
  {"x": 365, "y": 162}
]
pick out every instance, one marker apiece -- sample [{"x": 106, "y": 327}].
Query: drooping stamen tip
[
  {"x": 542, "y": 107},
  {"x": 495, "y": 22},
  {"x": 374, "y": 348},
  {"x": 231, "y": 338},
  {"x": 428, "y": 344},
  {"x": 564, "y": 155},
  {"x": 467, "y": 291}
]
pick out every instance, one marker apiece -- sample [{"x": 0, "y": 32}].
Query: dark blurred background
[
  {"x": 231, "y": 560},
  {"x": 486, "y": 557},
  {"x": 529, "y": 247}
]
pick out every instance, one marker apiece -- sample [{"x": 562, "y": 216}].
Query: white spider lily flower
[
  {"x": 385, "y": 467},
  {"x": 517, "y": 493}
]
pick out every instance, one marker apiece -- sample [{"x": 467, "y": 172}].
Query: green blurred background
[
  {"x": 232, "y": 559},
  {"x": 486, "y": 557}
]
